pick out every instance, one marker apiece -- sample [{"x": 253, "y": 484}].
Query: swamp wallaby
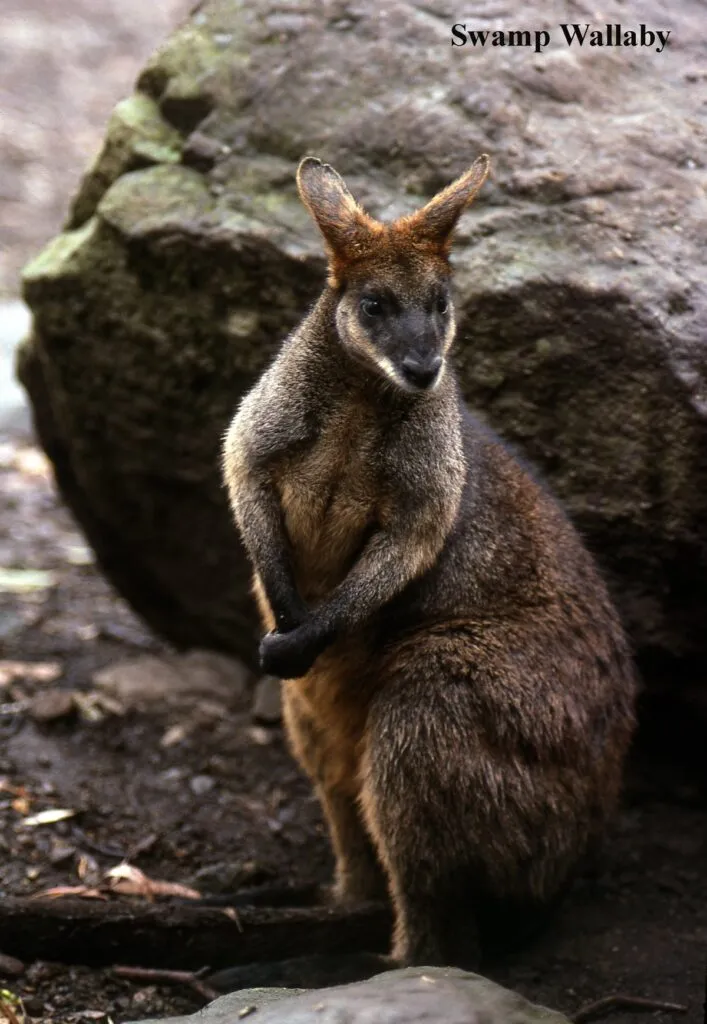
[{"x": 458, "y": 685}]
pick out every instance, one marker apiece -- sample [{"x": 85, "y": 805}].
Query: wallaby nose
[{"x": 421, "y": 372}]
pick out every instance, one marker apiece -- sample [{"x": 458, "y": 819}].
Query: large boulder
[{"x": 581, "y": 290}]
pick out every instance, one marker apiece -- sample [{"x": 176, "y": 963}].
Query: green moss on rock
[{"x": 137, "y": 136}]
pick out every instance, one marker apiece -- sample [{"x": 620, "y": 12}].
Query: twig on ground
[
  {"x": 155, "y": 976},
  {"x": 601, "y": 1007},
  {"x": 81, "y": 839},
  {"x": 142, "y": 846}
]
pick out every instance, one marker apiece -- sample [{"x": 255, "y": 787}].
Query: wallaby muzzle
[{"x": 422, "y": 373}]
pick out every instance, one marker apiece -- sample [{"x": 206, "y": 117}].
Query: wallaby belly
[
  {"x": 326, "y": 712},
  {"x": 328, "y": 495}
]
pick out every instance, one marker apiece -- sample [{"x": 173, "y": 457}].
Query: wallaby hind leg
[
  {"x": 359, "y": 876},
  {"x": 468, "y": 823},
  {"x": 461, "y": 823},
  {"x": 434, "y": 923},
  {"x": 410, "y": 805}
]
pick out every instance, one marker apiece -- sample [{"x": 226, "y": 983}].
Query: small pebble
[
  {"x": 258, "y": 735},
  {"x": 144, "y": 996},
  {"x": 201, "y": 784},
  {"x": 50, "y": 705},
  {"x": 10, "y": 967},
  {"x": 267, "y": 704},
  {"x": 33, "y": 1006}
]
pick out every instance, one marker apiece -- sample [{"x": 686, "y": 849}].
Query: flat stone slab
[{"x": 408, "y": 996}]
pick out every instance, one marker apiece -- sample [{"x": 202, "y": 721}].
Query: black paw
[{"x": 291, "y": 655}]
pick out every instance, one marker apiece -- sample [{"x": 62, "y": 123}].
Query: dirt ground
[
  {"x": 195, "y": 785},
  {"x": 197, "y": 793}
]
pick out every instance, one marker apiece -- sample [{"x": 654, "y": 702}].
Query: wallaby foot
[{"x": 435, "y": 928}]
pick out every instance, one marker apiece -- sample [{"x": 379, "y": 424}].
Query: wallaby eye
[
  {"x": 442, "y": 304},
  {"x": 372, "y": 307}
]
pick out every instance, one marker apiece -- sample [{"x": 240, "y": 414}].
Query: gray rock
[
  {"x": 407, "y": 996},
  {"x": 10, "y": 967},
  {"x": 581, "y": 292},
  {"x": 49, "y": 705},
  {"x": 175, "y": 679},
  {"x": 267, "y": 701},
  {"x": 200, "y": 785}
]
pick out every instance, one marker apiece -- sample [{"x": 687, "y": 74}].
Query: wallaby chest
[{"x": 328, "y": 494}]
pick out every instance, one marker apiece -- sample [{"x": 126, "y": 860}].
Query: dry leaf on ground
[
  {"x": 126, "y": 880},
  {"x": 48, "y": 817},
  {"x": 131, "y": 881},
  {"x": 60, "y": 891}
]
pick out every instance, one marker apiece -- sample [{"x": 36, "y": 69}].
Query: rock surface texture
[
  {"x": 406, "y": 996},
  {"x": 580, "y": 280}
]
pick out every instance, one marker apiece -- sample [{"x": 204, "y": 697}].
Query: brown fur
[{"x": 465, "y": 692}]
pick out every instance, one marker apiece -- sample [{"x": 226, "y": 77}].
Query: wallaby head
[{"x": 394, "y": 307}]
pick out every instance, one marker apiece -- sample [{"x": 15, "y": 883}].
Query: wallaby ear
[
  {"x": 346, "y": 227},
  {"x": 436, "y": 221}
]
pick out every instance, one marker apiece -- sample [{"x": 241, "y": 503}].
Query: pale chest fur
[{"x": 328, "y": 494}]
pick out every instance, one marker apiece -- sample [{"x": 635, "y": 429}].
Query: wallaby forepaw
[
  {"x": 290, "y": 655},
  {"x": 290, "y": 614}
]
